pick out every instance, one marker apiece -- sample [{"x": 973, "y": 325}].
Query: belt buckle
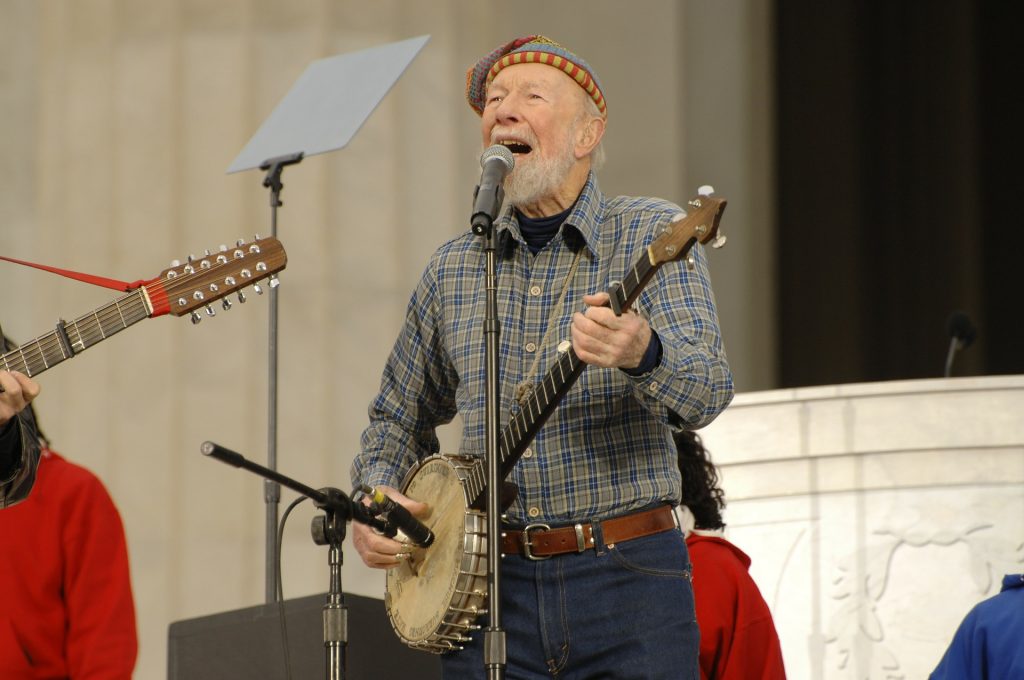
[
  {"x": 581, "y": 543},
  {"x": 526, "y": 542}
]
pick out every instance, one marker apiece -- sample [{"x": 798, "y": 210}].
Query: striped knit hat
[{"x": 531, "y": 49}]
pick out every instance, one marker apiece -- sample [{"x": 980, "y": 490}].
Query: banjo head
[{"x": 433, "y": 597}]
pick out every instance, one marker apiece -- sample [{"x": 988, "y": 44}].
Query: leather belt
[{"x": 540, "y": 541}]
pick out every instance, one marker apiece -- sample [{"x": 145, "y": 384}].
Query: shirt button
[
  {"x": 534, "y": 290},
  {"x": 528, "y": 453},
  {"x": 653, "y": 387},
  {"x": 533, "y": 512},
  {"x": 531, "y": 347}
]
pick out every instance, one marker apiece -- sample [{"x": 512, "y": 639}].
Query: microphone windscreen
[
  {"x": 960, "y": 327},
  {"x": 498, "y": 151}
]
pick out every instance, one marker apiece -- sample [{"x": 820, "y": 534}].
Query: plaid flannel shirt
[{"x": 608, "y": 448}]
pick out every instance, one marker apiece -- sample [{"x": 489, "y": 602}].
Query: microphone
[
  {"x": 400, "y": 518},
  {"x": 497, "y": 161},
  {"x": 222, "y": 454},
  {"x": 962, "y": 334}
]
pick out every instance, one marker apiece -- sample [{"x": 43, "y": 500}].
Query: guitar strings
[{"x": 47, "y": 350}]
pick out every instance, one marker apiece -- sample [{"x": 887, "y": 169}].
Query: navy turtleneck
[{"x": 537, "y": 232}]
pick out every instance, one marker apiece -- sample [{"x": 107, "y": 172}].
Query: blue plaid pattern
[{"x": 608, "y": 448}]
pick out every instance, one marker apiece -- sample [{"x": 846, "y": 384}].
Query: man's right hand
[
  {"x": 379, "y": 551},
  {"x": 16, "y": 392}
]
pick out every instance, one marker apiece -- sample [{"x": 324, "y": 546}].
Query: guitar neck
[
  {"x": 68, "y": 339},
  {"x": 179, "y": 290},
  {"x": 548, "y": 393}
]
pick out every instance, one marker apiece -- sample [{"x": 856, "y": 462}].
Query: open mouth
[{"x": 516, "y": 147}]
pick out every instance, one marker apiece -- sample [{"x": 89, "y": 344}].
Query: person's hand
[
  {"x": 602, "y": 339},
  {"x": 379, "y": 551},
  {"x": 16, "y": 391}
]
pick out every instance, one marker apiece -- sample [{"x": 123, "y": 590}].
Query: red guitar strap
[{"x": 78, "y": 276}]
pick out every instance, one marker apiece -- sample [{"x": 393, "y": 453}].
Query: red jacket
[
  {"x": 66, "y": 608},
  {"x": 737, "y": 636}
]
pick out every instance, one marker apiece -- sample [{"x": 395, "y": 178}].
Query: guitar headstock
[
  {"x": 184, "y": 288},
  {"x": 700, "y": 224}
]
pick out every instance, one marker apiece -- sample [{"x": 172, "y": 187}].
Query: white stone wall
[{"x": 876, "y": 515}]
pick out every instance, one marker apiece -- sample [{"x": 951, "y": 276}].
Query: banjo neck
[{"x": 674, "y": 243}]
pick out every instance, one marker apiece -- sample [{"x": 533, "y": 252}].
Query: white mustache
[{"x": 527, "y": 138}]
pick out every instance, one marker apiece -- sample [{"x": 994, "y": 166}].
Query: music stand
[
  {"x": 329, "y": 103},
  {"x": 322, "y": 112}
]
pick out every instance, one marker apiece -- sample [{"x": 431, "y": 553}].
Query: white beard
[{"x": 539, "y": 178}]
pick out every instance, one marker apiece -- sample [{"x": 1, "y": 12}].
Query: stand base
[{"x": 246, "y": 643}]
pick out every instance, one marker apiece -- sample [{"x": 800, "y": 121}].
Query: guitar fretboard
[{"x": 52, "y": 348}]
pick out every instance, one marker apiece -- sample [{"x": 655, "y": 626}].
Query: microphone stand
[
  {"x": 495, "y": 650},
  {"x": 327, "y": 529},
  {"x": 271, "y": 490},
  {"x": 954, "y": 345}
]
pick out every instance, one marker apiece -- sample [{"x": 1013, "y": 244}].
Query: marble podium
[{"x": 876, "y": 514}]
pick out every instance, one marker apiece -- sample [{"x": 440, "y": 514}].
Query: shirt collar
[
  {"x": 1013, "y": 581},
  {"x": 585, "y": 217}
]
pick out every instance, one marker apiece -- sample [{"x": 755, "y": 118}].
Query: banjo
[{"x": 434, "y": 597}]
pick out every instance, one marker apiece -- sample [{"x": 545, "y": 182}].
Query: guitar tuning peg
[
  {"x": 258, "y": 288},
  {"x": 706, "y": 190},
  {"x": 691, "y": 263},
  {"x": 207, "y": 251},
  {"x": 195, "y": 317},
  {"x": 256, "y": 237},
  {"x": 274, "y": 281},
  {"x": 719, "y": 241},
  {"x": 223, "y": 248},
  {"x": 175, "y": 263},
  {"x": 191, "y": 257},
  {"x": 240, "y": 243},
  {"x": 226, "y": 304},
  {"x": 241, "y": 297},
  {"x": 210, "y": 311}
]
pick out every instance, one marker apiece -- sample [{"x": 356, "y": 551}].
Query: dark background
[{"x": 899, "y": 171}]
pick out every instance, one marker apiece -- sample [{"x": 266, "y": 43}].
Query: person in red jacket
[
  {"x": 66, "y": 607},
  {"x": 738, "y": 640}
]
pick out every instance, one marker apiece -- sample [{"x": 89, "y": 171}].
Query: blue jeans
[{"x": 619, "y": 612}]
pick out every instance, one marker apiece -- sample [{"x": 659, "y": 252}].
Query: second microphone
[{"x": 399, "y": 519}]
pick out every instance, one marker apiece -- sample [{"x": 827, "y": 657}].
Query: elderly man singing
[{"x": 595, "y": 577}]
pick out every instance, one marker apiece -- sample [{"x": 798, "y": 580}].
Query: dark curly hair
[{"x": 701, "y": 493}]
